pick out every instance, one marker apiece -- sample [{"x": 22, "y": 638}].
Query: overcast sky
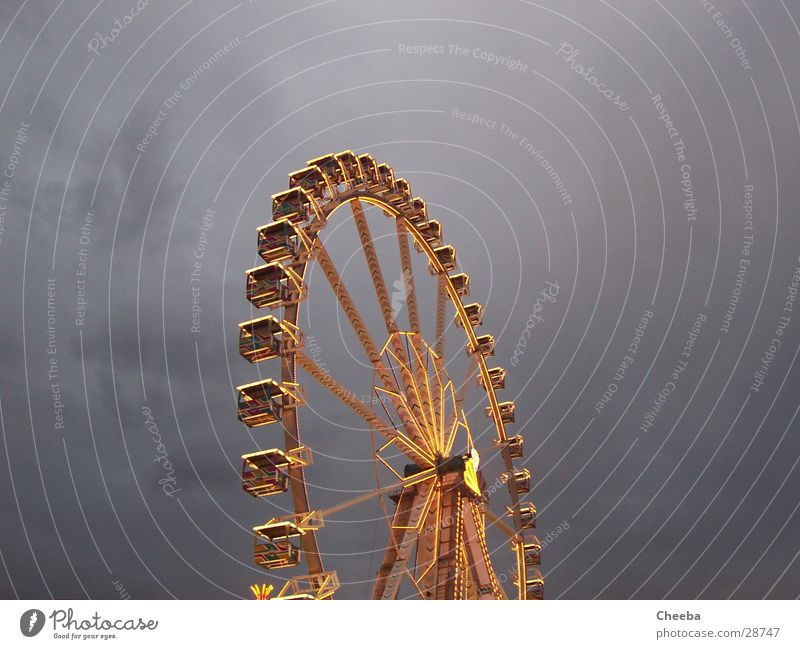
[{"x": 636, "y": 160}]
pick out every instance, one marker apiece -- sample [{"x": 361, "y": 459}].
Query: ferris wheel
[{"x": 432, "y": 445}]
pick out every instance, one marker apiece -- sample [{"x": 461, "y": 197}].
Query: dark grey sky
[{"x": 639, "y": 187}]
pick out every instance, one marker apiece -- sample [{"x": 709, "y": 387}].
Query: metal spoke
[
  {"x": 358, "y": 499},
  {"x": 504, "y": 527},
  {"x": 451, "y": 427},
  {"x": 423, "y": 383},
  {"x": 374, "y": 266},
  {"x": 441, "y": 305},
  {"x": 368, "y": 246},
  {"x": 347, "y": 397},
  {"x": 372, "y": 352},
  {"x": 413, "y": 317},
  {"x": 439, "y": 398},
  {"x": 414, "y": 392},
  {"x": 408, "y": 276}
]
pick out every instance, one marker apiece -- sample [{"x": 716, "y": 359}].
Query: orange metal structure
[{"x": 437, "y": 532}]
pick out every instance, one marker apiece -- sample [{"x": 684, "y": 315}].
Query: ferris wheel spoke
[
  {"x": 346, "y": 301},
  {"x": 413, "y": 315},
  {"x": 470, "y": 375},
  {"x": 459, "y": 396},
  {"x": 325, "y": 513},
  {"x": 368, "y": 246},
  {"x": 501, "y": 525},
  {"x": 439, "y": 397},
  {"x": 441, "y": 306},
  {"x": 396, "y": 397},
  {"x": 408, "y": 276},
  {"x": 424, "y": 385},
  {"x": 416, "y": 389},
  {"x": 413, "y": 450},
  {"x": 372, "y": 352}
]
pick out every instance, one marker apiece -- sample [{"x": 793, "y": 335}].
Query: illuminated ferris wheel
[{"x": 435, "y": 449}]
